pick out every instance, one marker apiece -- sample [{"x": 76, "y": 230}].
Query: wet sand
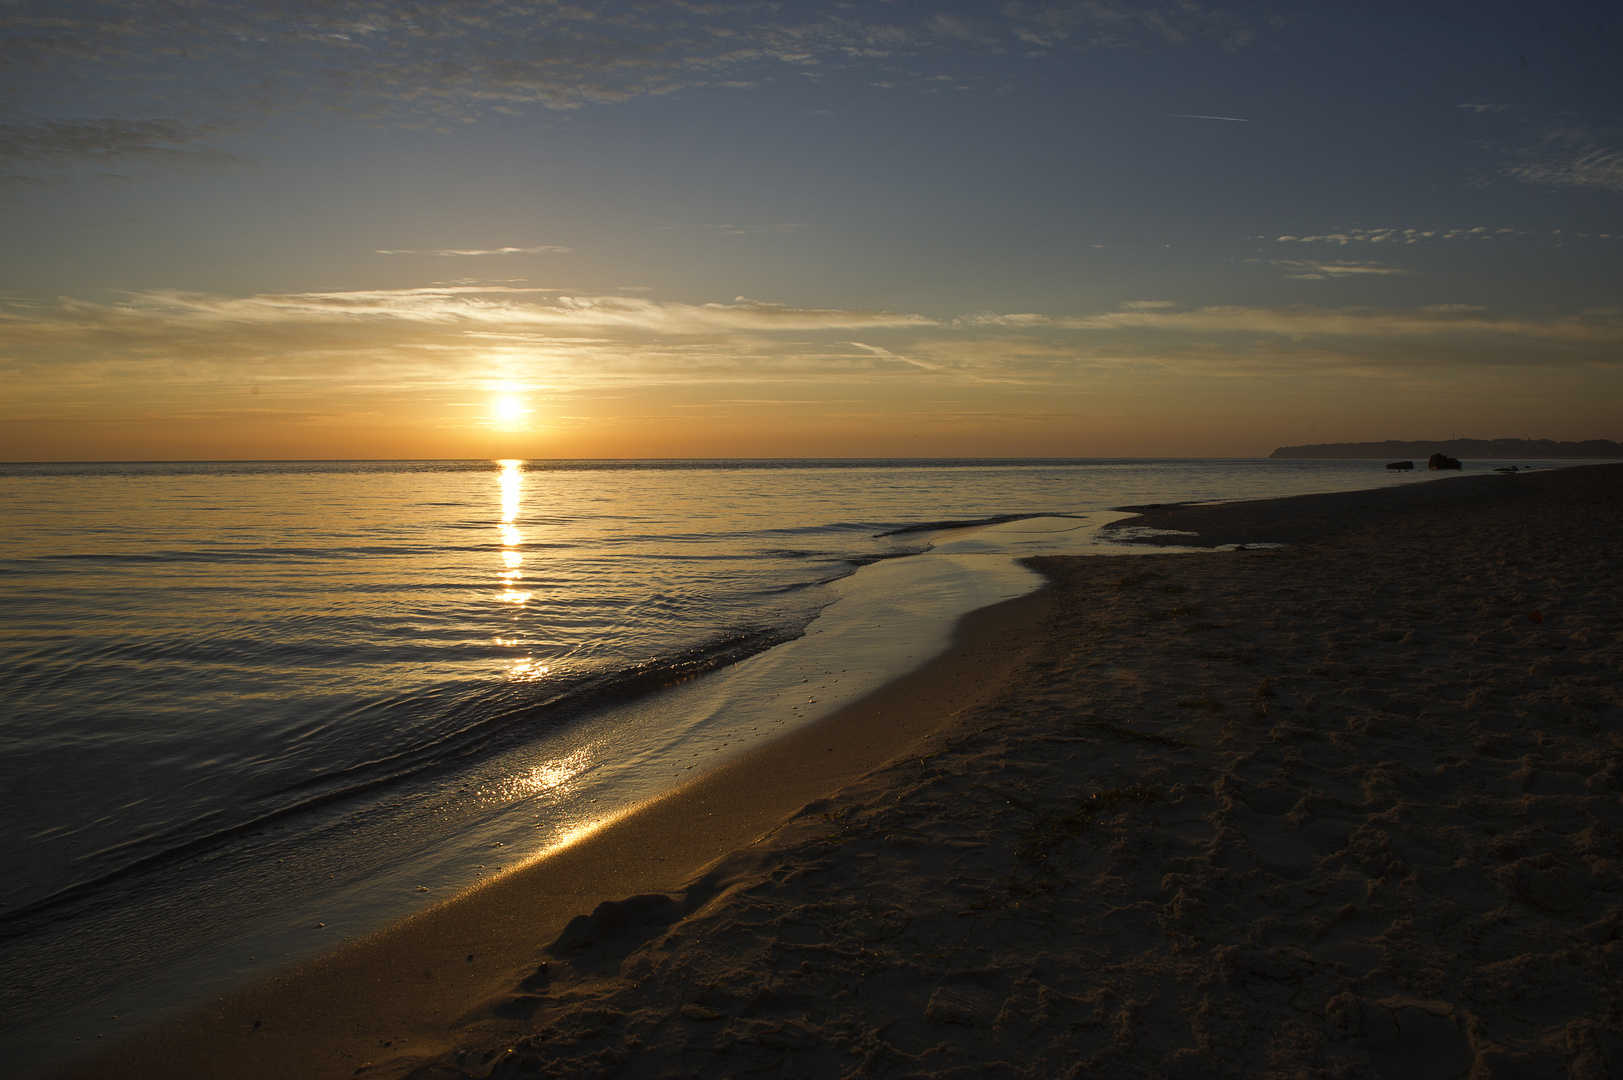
[
  {"x": 428, "y": 985},
  {"x": 1346, "y": 808}
]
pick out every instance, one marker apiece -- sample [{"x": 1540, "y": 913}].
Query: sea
[{"x": 250, "y": 710}]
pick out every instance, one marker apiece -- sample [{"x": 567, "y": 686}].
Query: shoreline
[
  {"x": 1294, "y": 519},
  {"x": 386, "y": 980},
  {"x": 1094, "y": 665}
]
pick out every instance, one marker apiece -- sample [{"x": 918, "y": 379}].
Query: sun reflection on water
[
  {"x": 526, "y": 669},
  {"x": 552, "y": 777},
  {"x": 511, "y": 482},
  {"x": 512, "y": 488}
]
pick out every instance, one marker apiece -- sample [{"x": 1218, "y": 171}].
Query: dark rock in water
[
  {"x": 1442, "y": 461},
  {"x": 1401, "y": 466}
]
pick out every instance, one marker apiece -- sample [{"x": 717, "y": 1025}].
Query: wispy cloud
[
  {"x": 178, "y": 75},
  {"x": 449, "y": 334},
  {"x": 539, "y": 249},
  {"x": 1300, "y": 322},
  {"x": 1318, "y": 270},
  {"x": 107, "y": 143},
  {"x": 442, "y": 316},
  {"x": 1570, "y": 157},
  {"x": 1101, "y": 23},
  {"x": 1403, "y": 236},
  {"x": 736, "y": 230},
  {"x": 886, "y": 354}
]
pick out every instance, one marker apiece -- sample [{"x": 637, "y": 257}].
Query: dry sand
[{"x": 1350, "y": 808}]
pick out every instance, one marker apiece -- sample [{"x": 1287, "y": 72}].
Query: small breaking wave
[
  {"x": 999, "y": 519},
  {"x": 484, "y": 724}
]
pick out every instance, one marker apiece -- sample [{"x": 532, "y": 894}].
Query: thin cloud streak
[
  {"x": 539, "y": 249},
  {"x": 736, "y": 230},
  {"x": 1403, "y": 236},
  {"x": 1451, "y": 320},
  {"x": 1315, "y": 270}
]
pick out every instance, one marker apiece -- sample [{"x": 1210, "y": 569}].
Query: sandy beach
[{"x": 1349, "y": 807}]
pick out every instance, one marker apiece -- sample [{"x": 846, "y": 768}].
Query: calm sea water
[{"x": 244, "y": 699}]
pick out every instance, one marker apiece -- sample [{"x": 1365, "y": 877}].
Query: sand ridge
[{"x": 1347, "y": 809}]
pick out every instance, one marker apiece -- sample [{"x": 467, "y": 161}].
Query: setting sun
[{"x": 508, "y": 410}]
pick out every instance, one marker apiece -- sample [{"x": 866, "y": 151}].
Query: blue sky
[{"x": 295, "y": 230}]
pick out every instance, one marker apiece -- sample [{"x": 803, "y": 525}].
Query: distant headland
[{"x": 1495, "y": 449}]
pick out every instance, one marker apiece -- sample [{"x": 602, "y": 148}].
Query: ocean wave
[
  {"x": 484, "y": 724},
  {"x": 998, "y": 519}
]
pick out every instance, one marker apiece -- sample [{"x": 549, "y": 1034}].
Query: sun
[{"x": 508, "y": 410}]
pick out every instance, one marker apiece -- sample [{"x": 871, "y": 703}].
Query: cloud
[
  {"x": 461, "y": 319},
  {"x": 1403, "y": 236},
  {"x": 441, "y": 336},
  {"x": 96, "y": 80},
  {"x": 107, "y": 142},
  {"x": 1316, "y": 270},
  {"x": 1480, "y": 109},
  {"x": 1101, "y": 24},
  {"x": 737, "y": 230},
  {"x": 886, "y": 354},
  {"x": 1569, "y": 158},
  {"x": 1304, "y": 322},
  {"x": 539, "y": 249},
  {"x": 369, "y": 360}
]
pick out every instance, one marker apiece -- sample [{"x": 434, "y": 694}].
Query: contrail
[{"x": 1192, "y": 116}]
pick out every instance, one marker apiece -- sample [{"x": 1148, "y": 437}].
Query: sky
[{"x": 238, "y": 229}]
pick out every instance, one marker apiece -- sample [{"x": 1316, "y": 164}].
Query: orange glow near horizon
[{"x": 665, "y": 379}]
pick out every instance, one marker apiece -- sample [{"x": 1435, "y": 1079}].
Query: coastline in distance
[{"x": 1461, "y": 448}]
